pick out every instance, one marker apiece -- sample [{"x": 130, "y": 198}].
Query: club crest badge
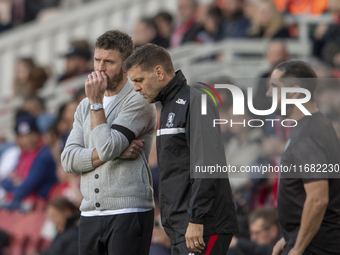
[{"x": 170, "y": 122}]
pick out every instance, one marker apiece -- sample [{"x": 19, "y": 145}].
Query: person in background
[
  {"x": 78, "y": 62},
  {"x": 35, "y": 173},
  {"x": 326, "y": 39},
  {"x": 65, "y": 121},
  {"x": 186, "y": 29},
  {"x": 35, "y": 105},
  {"x": 313, "y": 7},
  {"x": 164, "y": 22},
  {"x": 264, "y": 233},
  {"x": 65, "y": 217},
  {"x": 267, "y": 22},
  {"x": 28, "y": 77},
  {"x": 146, "y": 31},
  {"x": 79, "y": 95},
  {"x": 236, "y": 24},
  {"x": 212, "y": 23},
  {"x": 276, "y": 53}
]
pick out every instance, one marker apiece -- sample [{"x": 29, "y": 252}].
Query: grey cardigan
[{"x": 118, "y": 183}]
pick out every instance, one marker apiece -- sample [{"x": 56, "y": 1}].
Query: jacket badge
[
  {"x": 170, "y": 122},
  {"x": 181, "y": 101}
]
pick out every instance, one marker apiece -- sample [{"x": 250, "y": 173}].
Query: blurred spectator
[
  {"x": 267, "y": 22},
  {"x": 78, "y": 61},
  {"x": 8, "y": 162},
  {"x": 327, "y": 96},
  {"x": 79, "y": 95},
  {"x": 264, "y": 226},
  {"x": 236, "y": 24},
  {"x": 314, "y": 7},
  {"x": 276, "y": 53},
  {"x": 65, "y": 217},
  {"x": 327, "y": 38},
  {"x": 264, "y": 233},
  {"x": 249, "y": 8},
  {"x": 213, "y": 25},
  {"x": 65, "y": 120},
  {"x": 146, "y": 31},
  {"x": 28, "y": 77},
  {"x": 36, "y": 106},
  {"x": 336, "y": 124},
  {"x": 5, "y": 15},
  {"x": 35, "y": 173},
  {"x": 164, "y": 22},
  {"x": 186, "y": 29},
  {"x": 69, "y": 184}
]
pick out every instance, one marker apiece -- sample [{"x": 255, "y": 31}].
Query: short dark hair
[
  {"x": 148, "y": 56},
  {"x": 62, "y": 204},
  {"x": 37, "y": 99},
  {"x": 299, "y": 73},
  {"x": 214, "y": 12},
  {"x": 164, "y": 16},
  {"x": 116, "y": 40},
  {"x": 149, "y": 23},
  {"x": 268, "y": 215}
]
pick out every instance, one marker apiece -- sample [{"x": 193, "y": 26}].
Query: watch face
[{"x": 96, "y": 106}]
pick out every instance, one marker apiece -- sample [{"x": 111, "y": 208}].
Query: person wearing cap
[
  {"x": 77, "y": 63},
  {"x": 35, "y": 172}
]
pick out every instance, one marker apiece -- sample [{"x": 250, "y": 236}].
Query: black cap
[
  {"x": 78, "y": 52},
  {"x": 26, "y": 124}
]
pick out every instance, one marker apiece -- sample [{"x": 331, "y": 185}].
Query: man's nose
[
  {"x": 102, "y": 67},
  {"x": 136, "y": 87}
]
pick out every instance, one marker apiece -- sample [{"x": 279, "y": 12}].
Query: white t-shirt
[{"x": 107, "y": 101}]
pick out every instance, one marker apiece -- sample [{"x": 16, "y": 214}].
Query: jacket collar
[{"x": 171, "y": 89}]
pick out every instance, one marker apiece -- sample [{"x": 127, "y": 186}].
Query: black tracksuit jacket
[{"x": 183, "y": 199}]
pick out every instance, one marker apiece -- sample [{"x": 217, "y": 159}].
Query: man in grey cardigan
[{"x": 117, "y": 207}]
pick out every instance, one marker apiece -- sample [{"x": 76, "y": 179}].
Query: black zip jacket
[{"x": 183, "y": 199}]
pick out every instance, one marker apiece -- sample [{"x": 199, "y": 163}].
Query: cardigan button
[
  {"x": 96, "y": 190},
  {"x": 97, "y": 205},
  {"x": 96, "y": 176}
]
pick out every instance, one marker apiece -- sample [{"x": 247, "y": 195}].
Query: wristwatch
[{"x": 96, "y": 106}]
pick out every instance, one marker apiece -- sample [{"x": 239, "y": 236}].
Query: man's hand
[
  {"x": 278, "y": 248},
  {"x": 133, "y": 150},
  {"x": 95, "y": 86},
  {"x": 194, "y": 237}
]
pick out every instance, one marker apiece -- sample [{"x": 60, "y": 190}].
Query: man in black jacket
[{"x": 198, "y": 214}]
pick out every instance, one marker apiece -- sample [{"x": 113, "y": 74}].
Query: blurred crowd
[
  {"x": 32, "y": 178},
  {"x": 17, "y": 12}
]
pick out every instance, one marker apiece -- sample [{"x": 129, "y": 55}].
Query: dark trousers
[
  {"x": 214, "y": 245},
  {"x": 121, "y": 234}
]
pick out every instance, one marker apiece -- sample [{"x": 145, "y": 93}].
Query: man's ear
[
  {"x": 159, "y": 72},
  {"x": 297, "y": 94},
  {"x": 273, "y": 230}
]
